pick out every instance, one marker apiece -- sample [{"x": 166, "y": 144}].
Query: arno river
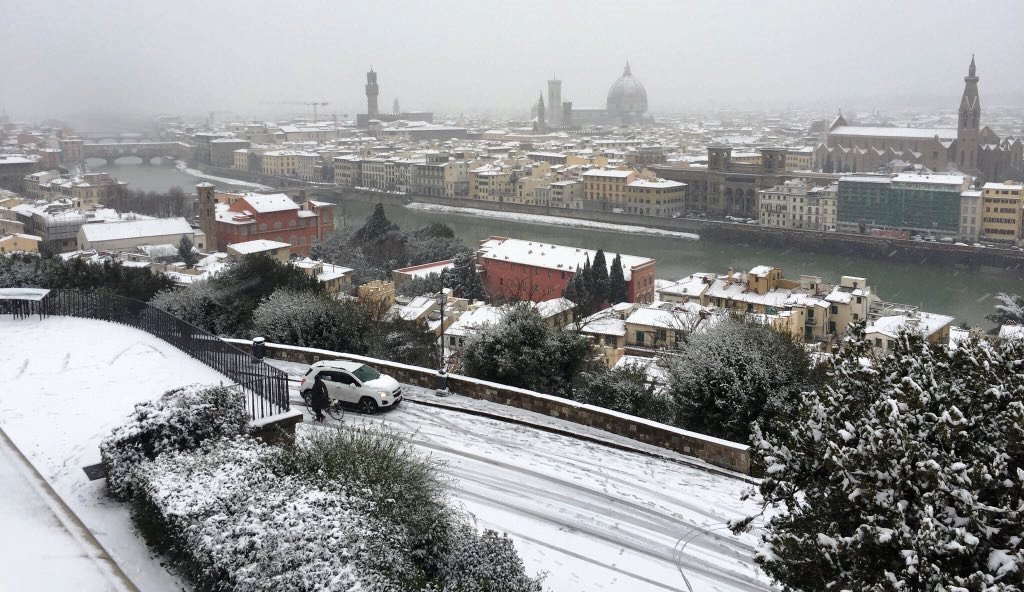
[{"x": 962, "y": 294}]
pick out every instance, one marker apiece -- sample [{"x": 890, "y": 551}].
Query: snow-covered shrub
[
  {"x": 237, "y": 514},
  {"x": 626, "y": 390},
  {"x": 233, "y": 523},
  {"x": 736, "y": 372},
  {"x": 485, "y": 562},
  {"x": 180, "y": 419},
  {"x": 907, "y": 473},
  {"x": 523, "y": 351},
  {"x": 381, "y": 463}
]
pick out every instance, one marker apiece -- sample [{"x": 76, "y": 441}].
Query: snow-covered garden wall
[{"x": 722, "y": 453}]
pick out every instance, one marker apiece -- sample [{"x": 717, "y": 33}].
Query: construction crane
[{"x": 315, "y": 105}]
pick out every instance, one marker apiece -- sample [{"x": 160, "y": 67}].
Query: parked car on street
[{"x": 354, "y": 384}]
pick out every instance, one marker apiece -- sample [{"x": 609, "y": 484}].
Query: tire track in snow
[{"x": 649, "y": 530}]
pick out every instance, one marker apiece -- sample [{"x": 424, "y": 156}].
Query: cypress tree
[
  {"x": 617, "y": 289},
  {"x": 377, "y": 225},
  {"x": 601, "y": 283}
]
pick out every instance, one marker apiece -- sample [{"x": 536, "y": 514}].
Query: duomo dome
[{"x": 627, "y": 95}]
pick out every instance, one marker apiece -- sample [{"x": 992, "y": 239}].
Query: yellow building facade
[{"x": 1001, "y": 205}]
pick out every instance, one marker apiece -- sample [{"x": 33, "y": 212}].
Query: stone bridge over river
[{"x": 144, "y": 150}]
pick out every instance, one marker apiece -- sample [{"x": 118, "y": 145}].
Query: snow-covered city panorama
[{"x": 679, "y": 298}]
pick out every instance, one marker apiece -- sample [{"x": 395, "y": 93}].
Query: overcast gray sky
[{"x": 190, "y": 56}]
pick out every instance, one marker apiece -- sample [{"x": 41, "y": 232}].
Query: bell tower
[
  {"x": 372, "y": 90},
  {"x": 207, "y": 203},
  {"x": 540, "y": 113},
  {"x": 968, "y": 129}
]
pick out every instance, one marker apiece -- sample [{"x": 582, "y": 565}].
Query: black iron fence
[{"x": 265, "y": 387}]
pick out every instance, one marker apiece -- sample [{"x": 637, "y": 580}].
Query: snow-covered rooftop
[
  {"x": 555, "y": 257},
  {"x": 925, "y": 323},
  {"x": 130, "y": 229},
  {"x": 257, "y": 246},
  {"x": 608, "y": 173},
  {"x": 895, "y": 132},
  {"x": 273, "y": 202},
  {"x": 931, "y": 179}
]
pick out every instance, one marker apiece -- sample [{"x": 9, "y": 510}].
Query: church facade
[{"x": 969, "y": 148}]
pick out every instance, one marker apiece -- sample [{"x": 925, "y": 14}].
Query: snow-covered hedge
[
  {"x": 342, "y": 510},
  {"x": 181, "y": 419},
  {"x": 234, "y": 524}
]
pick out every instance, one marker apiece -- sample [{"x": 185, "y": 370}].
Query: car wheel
[{"x": 367, "y": 406}]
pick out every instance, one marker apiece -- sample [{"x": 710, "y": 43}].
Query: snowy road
[{"x": 593, "y": 517}]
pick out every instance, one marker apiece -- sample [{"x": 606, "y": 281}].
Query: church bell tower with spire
[{"x": 968, "y": 131}]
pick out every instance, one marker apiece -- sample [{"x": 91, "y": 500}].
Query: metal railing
[{"x": 265, "y": 387}]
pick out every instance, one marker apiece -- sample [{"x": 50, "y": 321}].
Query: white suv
[{"x": 355, "y": 384}]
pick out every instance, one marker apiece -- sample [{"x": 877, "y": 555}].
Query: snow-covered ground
[
  {"x": 66, "y": 383},
  {"x": 593, "y": 517},
  {"x": 552, "y": 220},
  {"x": 41, "y": 546},
  {"x": 180, "y": 165}
]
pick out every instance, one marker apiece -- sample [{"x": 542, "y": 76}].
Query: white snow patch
[
  {"x": 552, "y": 220},
  {"x": 67, "y": 383}
]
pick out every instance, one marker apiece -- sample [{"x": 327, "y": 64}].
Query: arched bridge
[{"x": 144, "y": 150}]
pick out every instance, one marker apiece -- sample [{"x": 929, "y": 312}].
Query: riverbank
[
  {"x": 551, "y": 220},
  {"x": 181, "y": 166},
  {"x": 826, "y": 243}
]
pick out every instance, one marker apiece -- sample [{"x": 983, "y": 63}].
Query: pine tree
[
  {"x": 601, "y": 282},
  {"x": 185, "y": 252},
  {"x": 376, "y": 226},
  {"x": 906, "y": 474},
  {"x": 463, "y": 279},
  {"x": 570, "y": 293},
  {"x": 1009, "y": 309},
  {"x": 618, "y": 291}
]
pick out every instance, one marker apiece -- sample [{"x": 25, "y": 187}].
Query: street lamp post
[{"x": 442, "y": 372}]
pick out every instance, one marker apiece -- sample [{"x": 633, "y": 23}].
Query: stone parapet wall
[{"x": 721, "y": 453}]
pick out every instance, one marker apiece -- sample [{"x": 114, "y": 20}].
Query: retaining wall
[{"x": 721, "y": 453}]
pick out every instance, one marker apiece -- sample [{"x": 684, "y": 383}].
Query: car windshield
[{"x": 366, "y": 374}]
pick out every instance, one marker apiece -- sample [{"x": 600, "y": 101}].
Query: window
[
  {"x": 640, "y": 337},
  {"x": 856, "y": 317}
]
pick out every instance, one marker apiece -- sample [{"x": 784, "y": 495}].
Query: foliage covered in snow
[
  {"x": 522, "y": 351},
  {"x": 343, "y": 510},
  {"x": 736, "y": 372},
  {"x": 1009, "y": 308},
  {"x": 181, "y": 419},
  {"x": 224, "y": 304},
  {"x": 308, "y": 319},
  {"x": 627, "y": 390},
  {"x": 32, "y": 271},
  {"x": 906, "y": 473},
  {"x": 463, "y": 278},
  {"x": 379, "y": 246}
]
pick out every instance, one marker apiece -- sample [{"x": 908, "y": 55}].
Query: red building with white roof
[
  {"x": 274, "y": 217},
  {"x": 525, "y": 270}
]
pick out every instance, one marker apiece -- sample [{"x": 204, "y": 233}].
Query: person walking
[{"x": 319, "y": 398}]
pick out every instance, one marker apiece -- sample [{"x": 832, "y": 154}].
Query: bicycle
[{"x": 334, "y": 409}]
